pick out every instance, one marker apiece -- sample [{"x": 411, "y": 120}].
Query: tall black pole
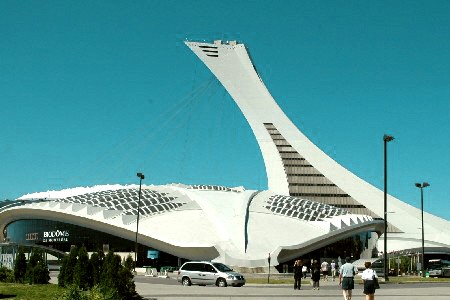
[
  {"x": 141, "y": 176},
  {"x": 423, "y": 234},
  {"x": 421, "y": 187},
  {"x": 386, "y": 139}
]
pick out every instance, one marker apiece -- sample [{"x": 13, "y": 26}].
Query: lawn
[{"x": 16, "y": 291}]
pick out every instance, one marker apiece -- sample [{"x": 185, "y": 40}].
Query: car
[
  {"x": 209, "y": 273},
  {"x": 378, "y": 267}
]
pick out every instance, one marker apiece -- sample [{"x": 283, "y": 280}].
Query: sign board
[
  {"x": 56, "y": 236},
  {"x": 153, "y": 254},
  {"x": 7, "y": 260}
]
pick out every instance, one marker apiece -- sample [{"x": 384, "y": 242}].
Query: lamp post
[
  {"x": 386, "y": 139},
  {"x": 141, "y": 177},
  {"x": 421, "y": 187}
]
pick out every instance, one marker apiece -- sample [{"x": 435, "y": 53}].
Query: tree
[
  {"x": 96, "y": 267},
  {"x": 70, "y": 266},
  {"x": 111, "y": 266},
  {"x": 81, "y": 270},
  {"x": 129, "y": 263},
  {"x": 20, "y": 266},
  {"x": 37, "y": 270},
  {"x": 105, "y": 276},
  {"x": 118, "y": 277},
  {"x": 125, "y": 283},
  {"x": 41, "y": 274},
  {"x": 62, "y": 272},
  {"x": 65, "y": 277}
]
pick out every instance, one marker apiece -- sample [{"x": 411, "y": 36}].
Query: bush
[
  {"x": 99, "y": 293},
  {"x": 117, "y": 277},
  {"x": 20, "y": 266},
  {"x": 96, "y": 267},
  {"x": 37, "y": 270},
  {"x": 108, "y": 278},
  {"x": 6, "y": 275},
  {"x": 66, "y": 272},
  {"x": 73, "y": 292},
  {"x": 81, "y": 272}
]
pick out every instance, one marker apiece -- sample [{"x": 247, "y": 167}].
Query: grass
[
  {"x": 409, "y": 279},
  {"x": 15, "y": 291}
]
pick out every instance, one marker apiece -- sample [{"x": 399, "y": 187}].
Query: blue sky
[{"x": 94, "y": 91}]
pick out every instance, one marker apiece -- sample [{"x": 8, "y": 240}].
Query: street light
[
  {"x": 421, "y": 187},
  {"x": 141, "y": 177},
  {"x": 386, "y": 139}
]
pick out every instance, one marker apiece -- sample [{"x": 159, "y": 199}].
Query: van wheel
[
  {"x": 186, "y": 281},
  {"x": 221, "y": 282}
]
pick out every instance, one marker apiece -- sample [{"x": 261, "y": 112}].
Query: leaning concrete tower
[{"x": 297, "y": 167}]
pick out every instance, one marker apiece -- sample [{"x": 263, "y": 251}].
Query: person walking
[
  {"x": 315, "y": 274},
  {"x": 324, "y": 267},
  {"x": 368, "y": 277},
  {"x": 298, "y": 274},
  {"x": 304, "y": 271},
  {"x": 346, "y": 275},
  {"x": 333, "y": 269}
]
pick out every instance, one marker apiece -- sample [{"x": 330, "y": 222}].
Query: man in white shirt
[
  {"x": 346, "y": 274},
  {"x": 324, "y": 267},
  {"x": 333, "y": 269}
]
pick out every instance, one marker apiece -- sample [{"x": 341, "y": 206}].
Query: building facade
[
  {"x": 297, "y": 167},
  {"x": 311, "y": 203}
]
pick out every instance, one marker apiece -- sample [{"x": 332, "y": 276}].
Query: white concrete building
[
  {"x": 297, "y": 167},
  {"x": 311, "y": 202}
]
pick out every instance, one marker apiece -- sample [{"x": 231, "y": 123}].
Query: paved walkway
[{"x": 328, "y": 291}]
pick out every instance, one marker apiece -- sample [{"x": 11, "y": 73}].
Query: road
[{"x": 169, "y": 289}]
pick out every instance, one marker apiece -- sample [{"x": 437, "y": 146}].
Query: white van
[{"x": 209, "y": 273}]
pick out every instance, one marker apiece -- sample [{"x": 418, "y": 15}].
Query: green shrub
[
  {"x": 105, "y": 275},
  {"x": 72, "y": 292},
  {"x": 37, "y": 270},
  {"x": 96, "y": 267},
  {"x": 70, "y": 266},
  {"x": 117, "y": 277},
  {"x": 6, "y": 275},
  {"x": 99, "y": 293},
  {"x": 20, "y": 266},
  {"x": 81, "y": 272}
]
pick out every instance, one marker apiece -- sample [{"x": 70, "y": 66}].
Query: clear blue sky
[{"x": 93, "y": 91}]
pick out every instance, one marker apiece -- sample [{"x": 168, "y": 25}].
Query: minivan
[
  {"x": 208, "y": 273},
  {"x": 378, "y": 267}
]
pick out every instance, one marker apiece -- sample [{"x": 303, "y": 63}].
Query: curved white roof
[{"x": 232, "y": 225}]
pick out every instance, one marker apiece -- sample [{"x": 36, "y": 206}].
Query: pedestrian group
[{"x": 347, "y": 272}]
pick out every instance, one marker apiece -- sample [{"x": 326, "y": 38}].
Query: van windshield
[
  {"x": 437, "y": 264},
  {"x": 222, "y": 267}
]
